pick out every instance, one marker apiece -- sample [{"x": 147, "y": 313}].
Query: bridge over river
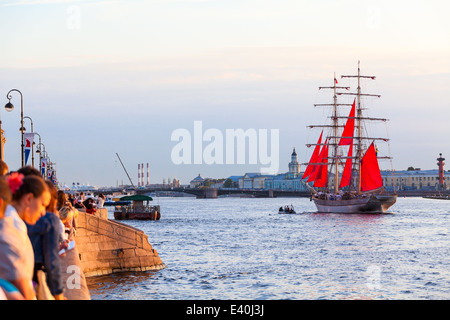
[
  {"x": 207, "y": 193},
  {"x": 210, "y": 193}
]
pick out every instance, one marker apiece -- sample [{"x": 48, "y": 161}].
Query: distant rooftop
[
  {"x": 411, "y": 172},
  {"x": 234, "y": 178},
  {"x": 198, "y": 178}
]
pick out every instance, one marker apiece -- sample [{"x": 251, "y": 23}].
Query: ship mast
[
  {"x": 359, "y": 119},
  {"x": 335, "y": 123},
  {"x": 335, "y": 127}
]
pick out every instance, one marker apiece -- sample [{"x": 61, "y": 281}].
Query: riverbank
[
  {"x": 104, "y": 247},
  {"x": 422, "y": 193}
]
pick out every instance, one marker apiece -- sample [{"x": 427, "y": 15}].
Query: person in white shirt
[{"x": 100, "y": 200}]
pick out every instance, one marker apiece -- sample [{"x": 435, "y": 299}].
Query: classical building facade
[
  {"x": 413, "y": 180},
  {"x": 252, "y": 181}
]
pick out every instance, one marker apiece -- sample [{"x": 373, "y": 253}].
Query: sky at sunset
[{"x": 106, "y": 77}]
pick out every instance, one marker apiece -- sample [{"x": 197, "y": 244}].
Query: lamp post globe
[{"x": 9, "y": 106}]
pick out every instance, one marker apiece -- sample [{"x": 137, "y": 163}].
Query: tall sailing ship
[{"x": 359, "y": 188}]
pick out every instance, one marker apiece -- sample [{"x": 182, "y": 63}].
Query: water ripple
[{"x": 233, "y": 248}]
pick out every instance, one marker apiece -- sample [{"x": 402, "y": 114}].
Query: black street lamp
[
  {"x": 9, "y": 107},
  {"x": 37, "y": 149},
  {"x": 41, "y": 153}
]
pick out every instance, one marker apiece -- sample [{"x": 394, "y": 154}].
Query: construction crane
[{"x": 125, "y": 171}]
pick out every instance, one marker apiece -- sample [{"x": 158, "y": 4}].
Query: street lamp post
[
  {"x": 48, "y": 166},
  {"x": 40, "y": 151},
  {"x": 37, "y": 150},
  {"x": 32, "y": 145},
  {"x": 9, "y": 107}
]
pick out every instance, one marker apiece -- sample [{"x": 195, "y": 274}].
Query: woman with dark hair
[
  {"x": 7, "y": 290},
  {"x": 29, "y": 171},
  {"x": 46, "y": 238},
  {"x": 30, "y": 197},
  {"x": 89, "y": 204},
  {"x": 61, "y": 200}
]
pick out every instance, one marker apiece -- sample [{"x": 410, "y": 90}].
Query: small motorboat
[{"x": 287, "y": 210}]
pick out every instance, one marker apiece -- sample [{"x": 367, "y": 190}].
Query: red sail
[
  {"x": 370, "y": 171},
  {"x": 319, "y": 159},
  {"x": 347, "y": 174},
  {"x": 347, "y": 134},
  {"x": 315, "y": 155},
  {"x": 321, "y": 178}
]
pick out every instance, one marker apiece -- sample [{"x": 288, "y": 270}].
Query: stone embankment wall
[{"x": 106, "y": 246}]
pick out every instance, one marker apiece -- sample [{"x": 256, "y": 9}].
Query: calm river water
[{"x": 241, "y": 248}]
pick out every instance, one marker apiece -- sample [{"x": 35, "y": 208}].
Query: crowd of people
[
  {"x": 36, "y": 223},
  {"x": 341, "y": 195}
]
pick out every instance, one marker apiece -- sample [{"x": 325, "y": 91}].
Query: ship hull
[{"x": 373, "y": 204}]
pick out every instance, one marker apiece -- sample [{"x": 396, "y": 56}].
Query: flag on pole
[
  {"x": 29, "y": 137},
  {"x": 43, "y": 166}
]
